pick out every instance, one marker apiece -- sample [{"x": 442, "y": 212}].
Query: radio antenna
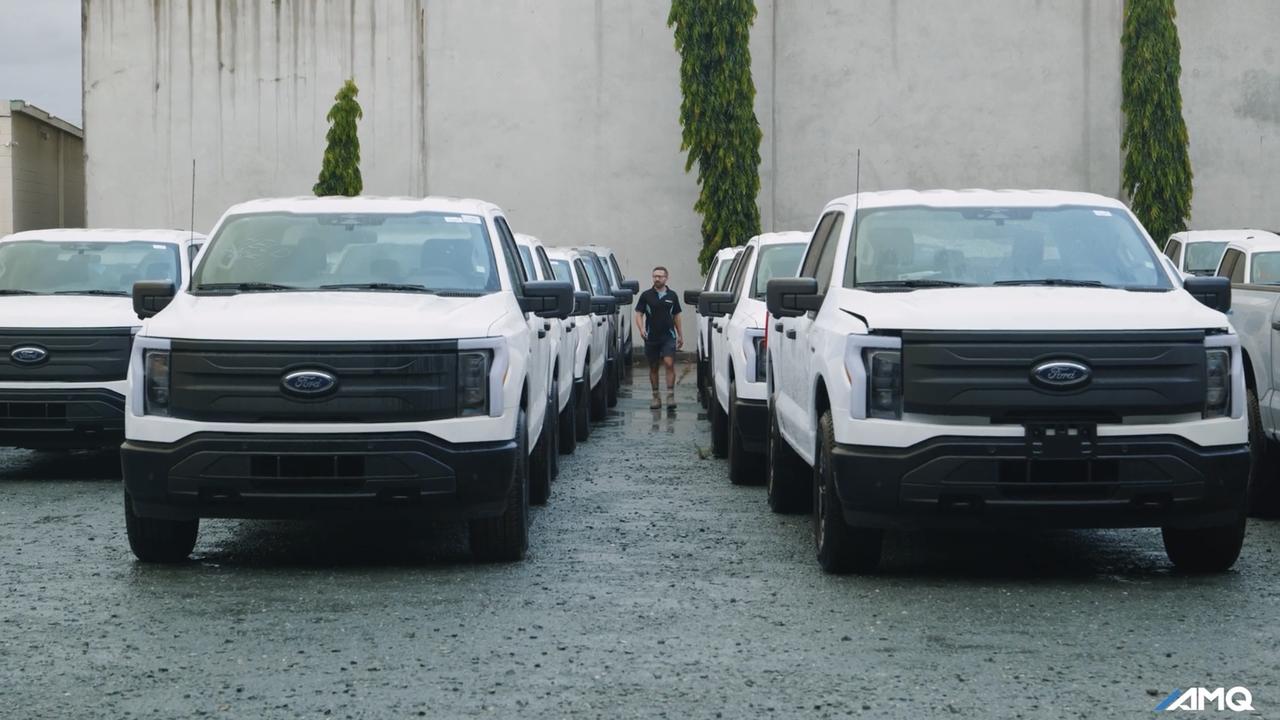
[
  {"x": 192, "y": 226},
  {"x": 857, "y": 197}
]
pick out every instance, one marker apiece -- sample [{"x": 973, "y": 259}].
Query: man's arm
[
  {"x": 641, "y": 319},
  {"x": 679, "y": 331}
]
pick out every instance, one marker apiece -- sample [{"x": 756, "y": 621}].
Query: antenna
[
  {"x": 857, "y": 197},
  {"x": 192, "y": 226}
]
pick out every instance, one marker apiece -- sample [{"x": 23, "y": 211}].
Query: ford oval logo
[
  {"x": 29, "y": 355},
  {"x": 309, "y": 382},
  {"x": 1061, "y": 374}
]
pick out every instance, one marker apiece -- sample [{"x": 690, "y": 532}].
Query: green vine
[
  {"x": 720, "y": 130},
  {"x": 1157, "y": 165},
  {"x": 340, "y": 170}
]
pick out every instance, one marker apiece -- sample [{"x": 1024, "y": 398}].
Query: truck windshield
[
  {"x": 1266, "y": 268},
  {"x": 944, "y": 247},
  {"x": 776, "y": 261},
  {"x": 411, "y": 252},
  {"x": 1202, "y": 258},
  {"x": 84, "y": 268}
]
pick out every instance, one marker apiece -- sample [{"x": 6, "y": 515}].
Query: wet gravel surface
[{"x": 653, "y": 588}]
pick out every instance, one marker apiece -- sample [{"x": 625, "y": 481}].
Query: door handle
[
  {"x": 777, "y": 327},
  {"x": 572, "y": 325},
  {"x": 542, "y": 334},
  {"x": 546, "y": 326},
  {"x": 1275, "y": 325},
  {"x": 791, "y": 334}
]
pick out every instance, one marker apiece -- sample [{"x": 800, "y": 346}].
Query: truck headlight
[
  {"x": 1217, "y": 394},
  {"x": 473, "y": 382},
  {"x": 757, "y": 352},
  {"x": 155, "y": 371},
  {"x": 884, "y": 383}
]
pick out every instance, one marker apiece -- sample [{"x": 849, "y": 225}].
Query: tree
[
  {"x": 1157, "y": 164},
  {"x": 340, "y": 170},
  {"x": 720, "y": 130}
]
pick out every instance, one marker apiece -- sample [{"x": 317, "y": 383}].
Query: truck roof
[
  {"x": 104, "y": 235},
  {"x": 780, "y": 238},
  {"x": 364, "y": 204},
  {"x": 977, "y": 198},
  {"x": 1250, "y": 240},
  {"x": 1239, "y": 237}
]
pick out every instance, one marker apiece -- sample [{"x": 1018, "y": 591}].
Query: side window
[
  {"x": 583, "y": 282},
  {"x": 526, "y": 263},
  {"x": 1237, "y": 270},
  {"x": 741, "y": 271},
  {"x": 1228, "y": 265},
  {"x": 545, "y": 264},
  {"x": 510, "y": 254},
  {"x": 192, "y": 252},
  {"x": 1171, "y": 249},
  {"x": 809, "y": 268},
  {"x": 827, "y": 258}
]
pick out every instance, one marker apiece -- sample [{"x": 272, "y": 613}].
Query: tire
[
  {"x": 158, "y": 540},
  {"x": 841, "y": 549},
  {"x": 1264, "y": 489},
  {"x": 744, "y": 467},
  {"x": 540, "y": 471},
  {"x": 581, "y": 412},
  {"x": 719, "y": 428},
  {"x": 565, "y": 430},
  {"x": 702, "y": 383},
  {"x": 615, "y": 382},
  {"x": 1204, "y": 550},
  {"x": 505, "y": 538},
  {"x": 551, "y": 423},
  {"x": 788, "y": 480},
  {"x": 600, "y": 399}
]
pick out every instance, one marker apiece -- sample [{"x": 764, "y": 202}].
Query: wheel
[
  {"x": 540, "y": 467},
  {"x": 158, "y": 540},
  {"x": 615, "y": 381},
  {"x": 1204, "y": 550},
  {"x": 581, "y": 413},
  {"x": 1264, "y": 489},
  {"x": 565, "y": 430},
  {"x": 841, "y": 548},
  {"x": 744, "y": 467},
  {"x": 505, "y": 538},
  {"x": 719, "y": 428},
  {"x": 788, "y": 479},
  {"x": 600, "y": 399}
]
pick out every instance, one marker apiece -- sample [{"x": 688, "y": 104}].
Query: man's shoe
[
  {"x": 671, "y": 399},
  {"x": 657, "y": 401}
]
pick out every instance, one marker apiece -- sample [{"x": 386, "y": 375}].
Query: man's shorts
[{"x": 655, "y": 351}]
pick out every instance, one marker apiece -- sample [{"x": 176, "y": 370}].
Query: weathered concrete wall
[
  {"x": 41, "y": 171},
  {"x": 1231, "y": 101},
  {"x": 6, "y": 175}
]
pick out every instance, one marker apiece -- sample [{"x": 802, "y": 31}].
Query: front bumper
[
  {"x": 85, "y": 418},
  {"x": 273, "y": 476},
  {"x": 958, "y": 482},
  {"x": 751, "y": 422}
]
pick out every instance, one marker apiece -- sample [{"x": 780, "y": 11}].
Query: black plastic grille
[{"x": 74, "y": 354}]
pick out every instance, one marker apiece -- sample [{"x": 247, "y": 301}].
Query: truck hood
[
  {"x": 327, "y": 316},
  {"x": 67, "y": 311},
  {"x": 1029, "y": 308}
]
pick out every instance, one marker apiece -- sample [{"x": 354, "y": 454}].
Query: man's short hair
[{"x": 656, "y": 269}]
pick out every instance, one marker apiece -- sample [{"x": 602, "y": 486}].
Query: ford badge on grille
[
  {"x": 29, "y": 355},
  {"x": 309, "y": 382},
  {"x": 1061, "y": 375}
]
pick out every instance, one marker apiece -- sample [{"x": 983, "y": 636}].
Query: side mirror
[
  {"x": 632, "y": 285},
  {"x": 604, "y": 304},
  {"x": 793, "y": 297},
  {"x": 691, "y": 297},
  {"x": 547, "y": 298},
  {"x": 581, "y": 304},
  {"x": 1212, "y": 291},
  {"x": 150, "y": 297},
  {"x": 623, "y": 296},
  {"x": 716, "y": 304}
]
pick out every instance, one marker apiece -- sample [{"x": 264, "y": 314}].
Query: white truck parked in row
[
  {"x": 979, "y": 359},
  {"x": 590, "y": 379},
  {"x": 66, "y": 326},
  {"x": 340, "y": 355},
  {"x": 717, "y": 279}
]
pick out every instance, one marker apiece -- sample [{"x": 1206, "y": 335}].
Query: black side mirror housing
[
  {"x": 691, "y": 297},
  {"x": 604, "y": 304},
  {"x": 632, "y": 285},
  {"x": 548, "y": 298},
  {"x": 150, "y": 297},
  {"x": 623, "y": 296},
  {"x": 1214, "y": 292},
  {"x": 581, "y": 304},
  {"x": 793, "y": 297},
  {"x": 716, "y": 304}
]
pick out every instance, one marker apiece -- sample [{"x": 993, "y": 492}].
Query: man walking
[{"x": 658, "y": 320}]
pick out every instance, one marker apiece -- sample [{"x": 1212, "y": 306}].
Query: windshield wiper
[
  {"x": 19, "y": 292},
  {"x": 1055, "y": 282},
  {"x": 402, "y": 287},
  {"x": 245, "y": 286},
  {"x": 917, "y": 283},
  {"x": 113, "y": 293}
]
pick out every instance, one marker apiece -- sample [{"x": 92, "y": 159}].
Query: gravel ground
[{"x": 653, "y": 588}]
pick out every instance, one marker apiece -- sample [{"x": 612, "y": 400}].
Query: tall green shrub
[
  {"x": 340, "y": 170},
  {"x": 1157, "y": 165},
  {"x": 721, "y": 133}
]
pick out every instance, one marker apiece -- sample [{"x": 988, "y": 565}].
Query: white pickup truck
[
  {"x": 1250, "y": 259},
  {"x": 66, "y": 326},
  {"x": 717, "y": 279},
  {"x": 986, "y": 359},
  {"x": 341, "y": 355}
]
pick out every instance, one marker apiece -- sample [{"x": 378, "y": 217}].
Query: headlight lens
[
  {"x": 473, "y": 382},
  {"x": 760, "y": 350},
  {"x": 884, "y": 383},
  {"x": 1217, "y": 396},
  {"x": 155, "y": 370}
]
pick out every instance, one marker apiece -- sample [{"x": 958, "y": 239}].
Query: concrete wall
[
  {"x": 42, "y": 183},
  {"x": 566, "y": 112},
  {"x": 6, "y": 175}
]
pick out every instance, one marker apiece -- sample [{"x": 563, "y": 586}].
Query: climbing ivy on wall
[
  {"x": 1157, "y": 164},
  {"x": 720, "y": 131},
  {"x": 340, "y": 170}
]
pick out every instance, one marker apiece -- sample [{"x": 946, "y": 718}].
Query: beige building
[{"x": 41, "y": 170}]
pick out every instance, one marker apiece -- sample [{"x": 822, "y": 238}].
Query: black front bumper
[
  {"x": 276, "y": 476},
  {"x": 751, "y": 422},
  {"x": 954, "y": 482},
  {"x": 61, "y": 419}
]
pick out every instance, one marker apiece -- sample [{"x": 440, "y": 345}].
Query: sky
[{"x": 40, "y": 55}]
